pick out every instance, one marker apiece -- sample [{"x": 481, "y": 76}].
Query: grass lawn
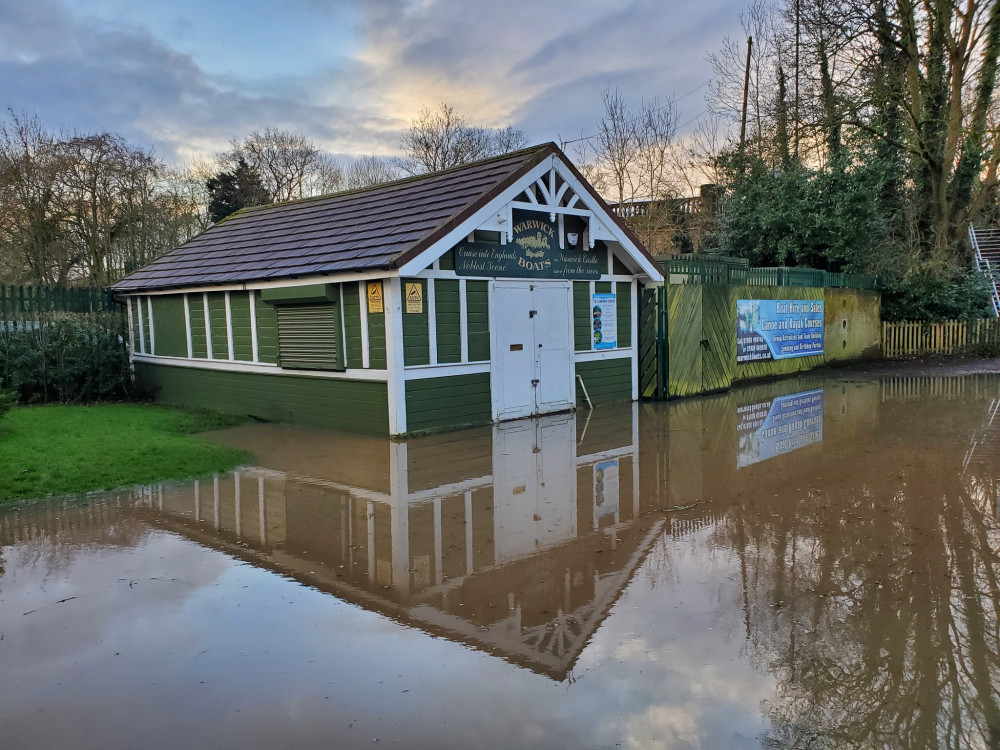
[{"x": 54, "y": 450}]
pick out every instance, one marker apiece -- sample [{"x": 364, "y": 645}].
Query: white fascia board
[
  {"x": 476, "y": 221},
  {"x": 486, "y": 218},
  {"x": 334, "y": 278},
  {"x": 647, "y": 268},
  {"x": 261, "y": 368}
]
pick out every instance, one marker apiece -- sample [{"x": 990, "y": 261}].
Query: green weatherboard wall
[
  {"x": 267, "y": 331},
  {"x": 352, "y": 405},
  {"x": 606, "y": 380},
  {"x": 242, "y": 334},
  {"x": 478, "y": 310},
  {"x": 343, "y": 403},
  {"x": 582, "y": 331},
  {"x": 416, "y": 334},
  {"x": 169, "y": 326},
  {"x": 171, "y": 341},
  {"x": 217, "y": 316},
  {"x": 436, "y": 403},
  {"x": 352, "y": 326},
  {"x": 447, "y": 326}
]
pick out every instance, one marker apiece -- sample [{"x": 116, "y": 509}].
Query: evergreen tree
[{"x": 228, "y": 192}]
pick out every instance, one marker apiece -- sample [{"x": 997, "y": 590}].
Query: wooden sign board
[{"x": 534, "y": 253}]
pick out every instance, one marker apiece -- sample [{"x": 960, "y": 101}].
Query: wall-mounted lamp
[{"x": 572, "y": 238}]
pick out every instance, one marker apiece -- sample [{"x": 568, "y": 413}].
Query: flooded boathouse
[{"x": 497, "y": 290}]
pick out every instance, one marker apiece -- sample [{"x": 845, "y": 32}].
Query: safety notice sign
[
  {"x": 414, "y": 297},
  {"x": 375, "y": 300}
]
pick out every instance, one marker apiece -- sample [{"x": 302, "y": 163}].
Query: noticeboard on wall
[
  {"x": 604, "y": 321},
  {"x": 768, "y": 329}
]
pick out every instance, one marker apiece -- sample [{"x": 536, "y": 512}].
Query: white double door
[{"x": 532, "y": 371}]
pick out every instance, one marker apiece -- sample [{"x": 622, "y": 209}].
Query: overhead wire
[{"x": 696, "y": 89}]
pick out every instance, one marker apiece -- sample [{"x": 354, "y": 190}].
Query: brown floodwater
[{"x": 813, "y": 563}]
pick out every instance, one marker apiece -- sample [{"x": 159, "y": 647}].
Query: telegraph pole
[
  {"x": 797, "y": 36},
  {"x": 746, "y": 91}
]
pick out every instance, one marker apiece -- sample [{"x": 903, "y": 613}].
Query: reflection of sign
[
  {"x": 414, "y": 297},
  {"x": 604, "y": 321},
  {"x": 375, "y": 300},
  {"x": 778, "y": 329},
  {"x": 533, "y": 253},
  {"x": 605, "y": 490},
  {"x": 772, "y": 428}
]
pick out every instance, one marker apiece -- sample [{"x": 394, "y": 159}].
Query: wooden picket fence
[
  {"x": 917, "y": 338},
  {"x": 20, "y": 303}
]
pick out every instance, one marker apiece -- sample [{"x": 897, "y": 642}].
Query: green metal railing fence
[
  {"x": 738, "y": 272},
  {"x": 29, "y": 302}
]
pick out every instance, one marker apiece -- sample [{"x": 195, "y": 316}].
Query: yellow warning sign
[
  {"x": 414, "y": 297},
  {"x": 375, "y": 299}
]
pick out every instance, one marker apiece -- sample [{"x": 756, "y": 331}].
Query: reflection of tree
[
  {"x": 50, "y": 535},
  {"x": 878, "y": 608}
]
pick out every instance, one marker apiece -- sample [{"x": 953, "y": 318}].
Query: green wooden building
[{"x": 496, "y": 290}]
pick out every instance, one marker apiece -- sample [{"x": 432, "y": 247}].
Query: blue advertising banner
[
  {"x": 778, "y": 329},
  {"x": 772, "y": 428}
]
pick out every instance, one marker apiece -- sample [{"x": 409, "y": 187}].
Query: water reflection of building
[
  {"x": 519, "y": 539},
  {"x": 516, "y": 539}
]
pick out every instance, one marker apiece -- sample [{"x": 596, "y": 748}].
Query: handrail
[
  {"x": 983, "y": 266},
  {"x": 996, "y": 292}
]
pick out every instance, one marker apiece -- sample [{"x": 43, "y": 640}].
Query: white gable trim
[{"x": 496, "y": 215}]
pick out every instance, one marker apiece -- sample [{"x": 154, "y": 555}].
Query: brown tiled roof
[{"x": 379, "y": 227}]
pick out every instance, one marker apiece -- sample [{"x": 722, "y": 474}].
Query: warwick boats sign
[{"x": 534, "y": 253}]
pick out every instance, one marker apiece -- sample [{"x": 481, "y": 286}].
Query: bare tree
[
  {"x": 634, "y": 164},
  {"x": 33, "y": 246},
  {"x": 85, "y": 208},
  {"x": 109, "y": 190},
  {"x": 327, "y": 177},
  {"x": 186, "y": 187},
  {"x": 289, "y": 164},
  {"x": 442, "y": 139},
  {"x": 370, "y": 170},
  {"x": 725, "y": 97},
  {"x": 617, "y": 145}
]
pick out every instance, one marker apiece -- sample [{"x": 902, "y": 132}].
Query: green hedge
[
  {"x": 963, "y": 295},
  {"x": 7, "y": 401},
  {"x": 67, "y": 358}
]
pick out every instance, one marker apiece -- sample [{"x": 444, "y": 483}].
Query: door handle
[
  {"x": 534, "y": 383},
  {"x": 532, "y": 313}
]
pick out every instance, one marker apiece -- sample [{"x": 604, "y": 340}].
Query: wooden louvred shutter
[{"x": 309, "y": 337}]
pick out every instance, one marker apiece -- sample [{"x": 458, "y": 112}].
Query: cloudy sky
[{"x": 185, "y": 76}]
